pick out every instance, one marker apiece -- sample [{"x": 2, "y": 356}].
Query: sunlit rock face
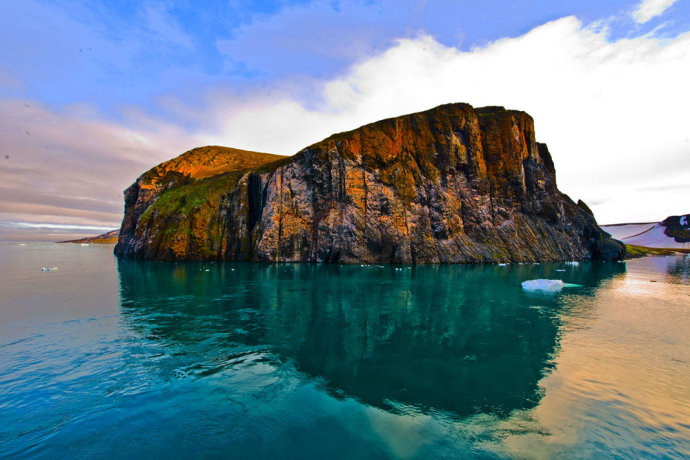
[{"x": 453, "y": 184}]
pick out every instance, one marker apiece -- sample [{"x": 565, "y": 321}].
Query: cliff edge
[{"x": 453, "y": 184}]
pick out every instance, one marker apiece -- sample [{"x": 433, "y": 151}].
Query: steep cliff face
[
  {"x": 450, "y": 185},
  {"x": 167, "y": 203}
]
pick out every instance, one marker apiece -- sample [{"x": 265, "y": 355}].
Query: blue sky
[
  {"x": 114, "y": 53},
  {"x": 136, "y": 83}
]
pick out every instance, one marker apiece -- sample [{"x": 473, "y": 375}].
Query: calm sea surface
[{"x": 123, "y": 359}]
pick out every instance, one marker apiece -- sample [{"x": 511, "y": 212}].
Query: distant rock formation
[
  {"x": 110, "y": 237},
  {"x": 671, "y": 233},
  {"x": 453, "y": 184},
  {"x": 677, "y": 228}
]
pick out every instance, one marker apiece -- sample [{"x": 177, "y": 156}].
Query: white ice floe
[
  {"x": 573, "y": 263},
  {"x": 543, "y": 285}
]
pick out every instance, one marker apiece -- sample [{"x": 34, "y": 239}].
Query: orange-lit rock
[{"x": 450, "y": 185}]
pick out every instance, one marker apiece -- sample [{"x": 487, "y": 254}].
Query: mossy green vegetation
[
  {"x": 642, "y": 251},
  {"x": 188, "y": 198},
  {"x": 183, "y": 208}
]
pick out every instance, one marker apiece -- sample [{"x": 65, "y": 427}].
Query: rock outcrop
[
  {"x": 450, "y": 185},
  {"x": 110, "y": 237}
]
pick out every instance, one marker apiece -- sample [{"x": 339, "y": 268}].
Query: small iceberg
[
  {"x": 573, "y": 263},
  {"x": 543, "y": 285},
  {"x": 48, "y": 269}
]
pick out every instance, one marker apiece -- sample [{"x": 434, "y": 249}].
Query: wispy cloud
[
  {"x": 649, "y": 9},
  {"x": 71, "y": 166},
  {"x": 54, "y": 226},
  {"x": 165, "y": 28},
  {"x": 316, "y": 38},
  {"x": 666, "y": 187},
  {"x": 613, "y": 113}
]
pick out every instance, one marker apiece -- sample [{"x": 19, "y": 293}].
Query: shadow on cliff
[{"x": 460, "y": 339}]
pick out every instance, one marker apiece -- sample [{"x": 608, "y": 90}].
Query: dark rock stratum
[{"x": 453, "y": 184}]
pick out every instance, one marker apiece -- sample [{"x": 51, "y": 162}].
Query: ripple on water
[{"x": 309, "y": 361}]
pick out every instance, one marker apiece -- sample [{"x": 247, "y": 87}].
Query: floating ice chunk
[
  {"x": 543, "y": 285},
  {"x": 502, "y": 265},
  {"x": 573, "y": 263},
  {"x": 48, "y": 269}
]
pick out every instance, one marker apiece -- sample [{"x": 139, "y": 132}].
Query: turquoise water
[{"x": 130, "y": 359}]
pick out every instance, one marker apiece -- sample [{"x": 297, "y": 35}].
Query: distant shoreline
[{"x": 105, "y": 238}]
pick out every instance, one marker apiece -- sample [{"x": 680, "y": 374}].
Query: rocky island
[{"x": 454, "y": 184}]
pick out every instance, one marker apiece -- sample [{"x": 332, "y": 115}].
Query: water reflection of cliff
[
  {"x": 679, "y": 269},
  {"x": 463, "y": 339}
]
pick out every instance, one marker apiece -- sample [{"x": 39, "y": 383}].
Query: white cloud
[
  {"x": 613, "y": 113},
  {"x": 57, "y": 226},
  {"x": 648, "y": 9}
]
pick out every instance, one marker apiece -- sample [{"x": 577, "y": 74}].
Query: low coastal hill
[
  {"x": 209, "y": 161},
  {"x": 454, "y": 184},
  {"x": 104, "y": 238},
  {"x": 673, "y": 233}
]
